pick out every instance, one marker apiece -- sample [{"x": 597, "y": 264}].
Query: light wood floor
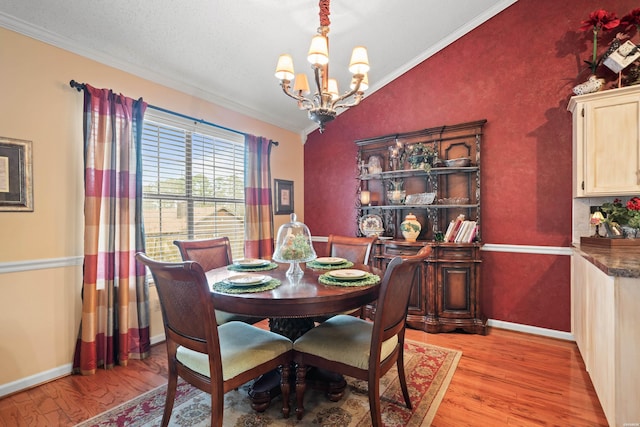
[{"x": 503, "y": 379}]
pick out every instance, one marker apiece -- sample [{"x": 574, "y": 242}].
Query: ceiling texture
[{"x": 225, "y": 51}]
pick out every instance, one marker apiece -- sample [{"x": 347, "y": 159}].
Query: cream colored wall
[{"x": 40, "y": 304}]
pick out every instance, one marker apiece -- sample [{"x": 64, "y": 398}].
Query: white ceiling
[{"x": 225, "y": 51}]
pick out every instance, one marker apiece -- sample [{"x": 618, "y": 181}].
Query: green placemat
[
  {"x": 270, "y": 266},
  {"x": 371, "y": 279},
  {"x": 315, "y": 264},
  {"x": 230, "y": 289}
]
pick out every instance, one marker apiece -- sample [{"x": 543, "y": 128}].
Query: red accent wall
[{"x": 517, "y": 71}]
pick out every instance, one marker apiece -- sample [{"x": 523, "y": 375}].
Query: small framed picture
[
  {"x": 16, "y": 191},
  {"x": 284, "y": 196}
]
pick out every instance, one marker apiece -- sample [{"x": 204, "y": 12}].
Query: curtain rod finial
[{"x": 76, "y": 85}]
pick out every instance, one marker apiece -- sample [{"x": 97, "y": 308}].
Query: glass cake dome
[{"x": 293, "y": 245}]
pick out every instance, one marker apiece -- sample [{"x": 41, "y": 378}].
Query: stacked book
[{"x": 461, "y": 230}]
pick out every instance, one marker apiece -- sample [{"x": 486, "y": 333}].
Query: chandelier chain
[{"x": 324, "y": 13}]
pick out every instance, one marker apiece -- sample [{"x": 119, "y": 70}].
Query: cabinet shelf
[
  {"x": 407, "y": 173},
  {"x": 426, "y": 207}
]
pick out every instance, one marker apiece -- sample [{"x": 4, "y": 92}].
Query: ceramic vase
[
  {"x": 410, "y": 228},
  {"x": 593, "y": 84}
]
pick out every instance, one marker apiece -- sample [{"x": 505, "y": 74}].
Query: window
[{"x": 193, "y": 184}]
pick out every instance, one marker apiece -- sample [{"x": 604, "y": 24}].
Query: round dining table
[
  {"x": 292, "y": 309},
  {"x": 292, "y": 306}
]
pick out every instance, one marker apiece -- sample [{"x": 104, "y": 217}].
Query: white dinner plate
[
  {"x": 348, "y": 274},
  {"x": 251, "y": 262},
  {"x": 248, "y": 279},
  {"x": 330, "y": 260}
]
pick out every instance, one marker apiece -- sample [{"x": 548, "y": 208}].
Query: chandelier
[{"x": 326, "y": 100}]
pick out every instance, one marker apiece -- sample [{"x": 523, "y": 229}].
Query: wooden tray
[{"x": 606, "y": 242}]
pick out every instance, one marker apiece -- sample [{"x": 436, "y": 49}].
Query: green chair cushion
[
  {"x": 242, "y": 347},
  {"x": 345, "y": 339}
]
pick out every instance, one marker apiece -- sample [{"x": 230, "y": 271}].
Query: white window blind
[{"x": 193, "y": 184}]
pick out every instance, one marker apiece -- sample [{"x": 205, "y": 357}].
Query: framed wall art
[
  {"x": 16, "y": 191},
  {"x": 284, "y": 196}
]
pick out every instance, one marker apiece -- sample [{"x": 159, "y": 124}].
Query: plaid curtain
[
  {"x": 258, "y": 242},
  {"x": 115, "y": 299}
]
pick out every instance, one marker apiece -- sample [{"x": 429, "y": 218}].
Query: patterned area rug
[{"x": 429, "y": 370}]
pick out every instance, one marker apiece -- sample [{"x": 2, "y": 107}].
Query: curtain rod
[{"x": 81, "y": 86}]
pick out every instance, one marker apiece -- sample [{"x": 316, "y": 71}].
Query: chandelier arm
[
  {"x": 316, "y": 75},
  {"x": 355, "y": 102},
  {"x": 346, "y": 95},
  {"x": 303, "y": 102}
]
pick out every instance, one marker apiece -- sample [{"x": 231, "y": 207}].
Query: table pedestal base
[
  {"x": 332, "y": 384},
  {"x": 267, "y": 386}
]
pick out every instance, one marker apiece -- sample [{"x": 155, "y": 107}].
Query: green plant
[
  {"x": 422, "y": 156},
  {"x": 618, "y": 213}
]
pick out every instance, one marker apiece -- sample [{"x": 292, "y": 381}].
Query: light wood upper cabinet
[{"x": 606, "y": 143}]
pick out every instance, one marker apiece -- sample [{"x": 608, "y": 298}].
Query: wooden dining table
[
  {"x": 291, "y": 309},
  {"x": 292, "y": 306}
]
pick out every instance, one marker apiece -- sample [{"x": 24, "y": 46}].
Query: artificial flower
[
  {"x": 631, "y": 18},
  {"x": 619, "y": 213},
  {"x": 633, "y": 207},
  {"x": 598, "y": 21}
]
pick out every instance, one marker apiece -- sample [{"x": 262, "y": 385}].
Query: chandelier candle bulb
[
  {"x": 333, "y": 89},
  {"x": 284, "y": 69},
  {"x": 364, "y": 84},
  {"x": 301, "y": 85},
  {"x": 318, "y": 51},
  {"x": 359, "y": 60}
]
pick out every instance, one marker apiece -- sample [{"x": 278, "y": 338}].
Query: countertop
[{"x": 618, "y": 262}]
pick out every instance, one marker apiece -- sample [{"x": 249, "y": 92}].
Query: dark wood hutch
[{"x": 413, "y": 166}]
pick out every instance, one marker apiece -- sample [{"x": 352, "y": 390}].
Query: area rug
[{"x": 429, "y": 370}]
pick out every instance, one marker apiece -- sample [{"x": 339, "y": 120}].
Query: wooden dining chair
[
  {"x": 361, "y": 349},
  {"x": 210, "y": 254},
  {"x": 354, "y": 249},
  {"x": 215, "y": 359}
]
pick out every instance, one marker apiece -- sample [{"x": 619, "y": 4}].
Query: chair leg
[
  {"x": 301, "y": 373},
  {"x": 285, "y": 388},
  {"x": 172, "y": 385},
  {"x": 403, "y": 379},
  {"x": 374, "y": 401},
  {"x": 217, "y": 404}
]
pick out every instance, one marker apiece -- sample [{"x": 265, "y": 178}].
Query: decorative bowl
[
  {"x": 420, "y": 199},
  {"x": 454, "y": 201},
  {"x": 458, "y": 163}
]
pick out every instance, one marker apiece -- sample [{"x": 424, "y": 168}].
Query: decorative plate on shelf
[{"x": 371, "y": 225}]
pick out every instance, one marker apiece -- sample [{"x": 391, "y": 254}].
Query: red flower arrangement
[
  {"x": 598, "y": 21},
  {"x": 623, "y": 214},
  {"x": 631, "y": 19},
  {"x": 633, "y": 206}
]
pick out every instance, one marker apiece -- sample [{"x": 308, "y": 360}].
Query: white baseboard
[
  {"x": 156, "y": 339},
  {"x": 50, "y": 375},
  {"x": 34, "y": 380},
  {"x": 534, "y": 330}
]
